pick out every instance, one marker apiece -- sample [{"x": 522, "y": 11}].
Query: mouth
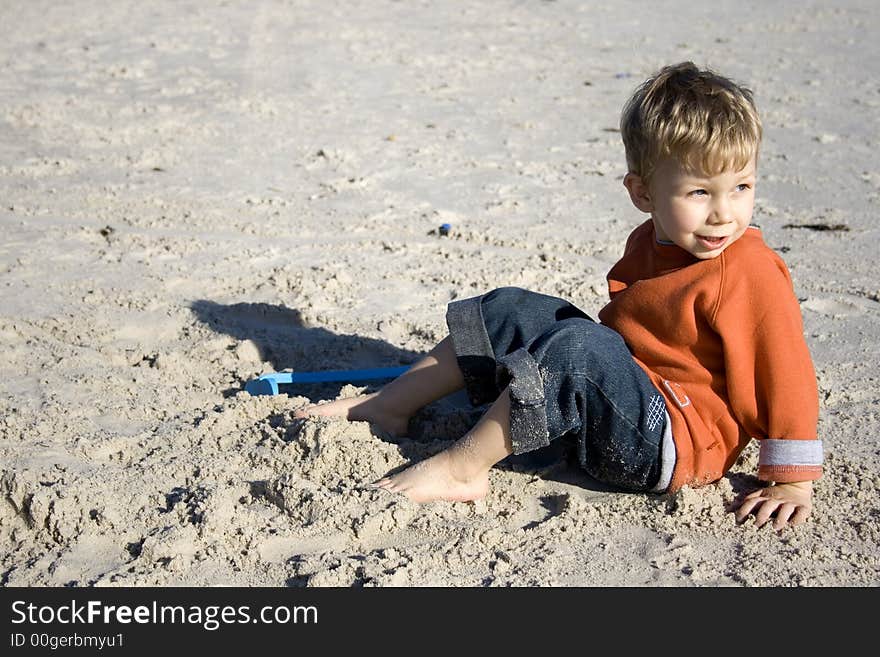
[{"x": 711, "y": 242}]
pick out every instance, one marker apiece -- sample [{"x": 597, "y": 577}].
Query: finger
[
  {"x": 764, "y": 513},
  {"x": 783, "y": 513},
  {"x": 746, "y": 507},
  {"x": 756, "y": 493},
  {"x": 800, "y": 515}
]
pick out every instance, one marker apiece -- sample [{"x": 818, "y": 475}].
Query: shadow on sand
[{"x": 287, "y": 343}]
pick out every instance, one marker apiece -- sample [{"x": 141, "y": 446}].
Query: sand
[{"x": 195, "y": 194}]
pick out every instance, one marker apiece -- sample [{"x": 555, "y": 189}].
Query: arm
[
  {"x": 771, "y": 385},
  {"x": 790, "y": 503}
]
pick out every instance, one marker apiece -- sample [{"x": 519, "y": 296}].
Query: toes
[{"x": 387, "y": 484}]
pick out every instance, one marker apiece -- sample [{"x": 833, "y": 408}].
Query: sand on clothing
[{"x": 192, "y": 194}]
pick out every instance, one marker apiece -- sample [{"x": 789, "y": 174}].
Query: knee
[
  {"x": 507, "y": 295},
  {"x": 507, "y": 302}
]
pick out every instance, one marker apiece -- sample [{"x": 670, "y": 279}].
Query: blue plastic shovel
[{"x": 267, "y": 384}]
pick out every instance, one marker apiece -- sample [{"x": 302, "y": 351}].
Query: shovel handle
[{"x": 267, "y": 384}]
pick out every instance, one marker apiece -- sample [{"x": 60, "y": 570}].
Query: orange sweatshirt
[{"x": 723, "y": 340}]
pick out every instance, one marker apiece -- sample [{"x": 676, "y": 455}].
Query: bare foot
[
  {"x": 364, "y": 409},
  {"x": 437, "y": 478}
]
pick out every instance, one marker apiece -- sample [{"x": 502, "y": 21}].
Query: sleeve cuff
[{"x": 787, "y": 460}]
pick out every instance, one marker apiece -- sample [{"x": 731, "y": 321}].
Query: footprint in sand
[{"x": 833, "y": 307}]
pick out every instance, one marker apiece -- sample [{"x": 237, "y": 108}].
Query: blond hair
[{"x": 705, "y": 121}]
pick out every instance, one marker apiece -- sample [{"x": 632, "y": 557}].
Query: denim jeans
[{"x": 568, "y": 376}]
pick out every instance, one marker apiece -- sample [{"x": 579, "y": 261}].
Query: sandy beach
[{"x": 194, "y": 194}]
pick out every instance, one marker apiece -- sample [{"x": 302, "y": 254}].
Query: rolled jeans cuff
[
  {"x": 528, "y": 414},
  {"x": 485, "y": 377}
]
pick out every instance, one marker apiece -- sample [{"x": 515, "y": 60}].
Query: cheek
[
  {"x": 685, "y": 216},
  {"x": 748, "y": 206},
  {"x": 743, "y": 214}
]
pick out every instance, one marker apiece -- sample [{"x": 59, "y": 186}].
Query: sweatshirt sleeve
[{"x": 771, "y": 382}]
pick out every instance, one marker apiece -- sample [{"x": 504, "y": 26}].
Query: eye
[
  {"x": 697, "y": 192},
  {"x": 742, "y": 187}
]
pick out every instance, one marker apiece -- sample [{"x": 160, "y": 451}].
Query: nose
[{"x": 721, "y": 212}]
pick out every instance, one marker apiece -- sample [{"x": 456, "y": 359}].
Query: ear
[{"x": 638, "y": 192}]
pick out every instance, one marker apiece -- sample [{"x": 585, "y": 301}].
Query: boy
[{"x": 700, "y": 348}]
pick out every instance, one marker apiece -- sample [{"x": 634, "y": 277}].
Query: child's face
[{"x": 702, "y": 214}]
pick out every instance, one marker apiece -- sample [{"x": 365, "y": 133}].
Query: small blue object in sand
[
  {"x": 445, "y": 229},
  {"x": 267, "y": 384}
]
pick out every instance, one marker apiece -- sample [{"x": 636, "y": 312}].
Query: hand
[{"x": 791, "y": 503}]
